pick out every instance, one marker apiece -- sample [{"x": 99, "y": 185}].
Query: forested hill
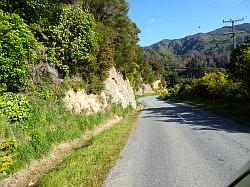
[{"x": 213, "y": 47}]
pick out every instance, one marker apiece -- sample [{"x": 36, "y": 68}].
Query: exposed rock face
[
  {"x": 116, "y": 89},
  {"x": 145, "y": 89},
  {"x": 157, "y": 85},
  {"x": 139, "y": 91},
  {"x": 119, "y": 89},
  {"x": 44, "y": 69},
  {"x": 148, "y": 89},
  {"x": 81, "y": 102}
]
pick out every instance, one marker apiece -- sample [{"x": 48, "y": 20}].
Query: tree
[
  {"x": 119, "y": 33},
  {"x": 172, "y": 77},
  {"x": 34, "y": 10},
  {"x": 17, "y": 46},
  {"x": 239, "y": 66},
  {"x": 74, "y": 38},
  {"x": 194, "y": 68},
  {"x": 86, "y": 38},
  {"x": 105, "y": 9}
]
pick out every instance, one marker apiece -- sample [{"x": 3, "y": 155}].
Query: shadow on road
[{"x": 196, "y": 118}]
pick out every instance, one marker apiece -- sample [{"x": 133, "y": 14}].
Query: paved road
[{"x": 175, "y": 144}]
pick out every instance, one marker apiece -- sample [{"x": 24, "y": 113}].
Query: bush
[
  {"x": 73, "y": 46},
  {"x": 7, "y": 154},
  {"x": 74, "y": 39},
  {"x": 165, "y": 95},
  {"x": 170, "y": 93},
  {"x": 239, "y": 65},
  {"x": 14, "y": 107},
  {"x": 214, "y": 86},
  {"x": 17, "y": 45},
  {"x": 211, "y": 85}
]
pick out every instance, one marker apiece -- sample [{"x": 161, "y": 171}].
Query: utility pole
[{"x": 233, "y": 33}]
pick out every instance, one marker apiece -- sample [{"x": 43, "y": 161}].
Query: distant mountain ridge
[{"x": 208, "y": 43}]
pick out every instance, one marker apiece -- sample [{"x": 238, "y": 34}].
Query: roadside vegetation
[
  {"x": 89, "y": 165},
  {"x": 46, "y": 123},
  {"x": 82, "y": 40},
  {"x": 227, "y": 92}
]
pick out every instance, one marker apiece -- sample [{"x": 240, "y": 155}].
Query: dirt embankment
[{"x": 117, "y": 90}]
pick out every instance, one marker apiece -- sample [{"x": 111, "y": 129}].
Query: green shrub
[
  {"x": 165, "y": 95},
  {"x": 170, "y": 93},
  {"x": 74, "y": 40},
  {"x": 7, "y": 154},
  {"x": 46, "y": 90},
  {"x": 33, "y": 10},
  {"x": 14, "y": 107},
  {"x": 17, "y": 45},
  {"x": 214, "y": 86},
  {"x": 174, "y": 91},
  {"x": 239, "y": 65},
  {"x": 73, "y": 46},
  {"x": 234, "y": 91},
  {"x": 186, "y": 89}
]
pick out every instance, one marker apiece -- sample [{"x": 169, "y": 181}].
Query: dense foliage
[
  {"x": 75, "y": 43},
  {"x": 82, "y": 40},
  {"x": 175, "y": 69},
  {"x": 120, "y": 36},
  {"x": 162, "y": 65},
  {"x": 214, "y": 86},
  {"x": 8, "y": 153},
  {"x": 211, "y": 86},
  {"x": 73, "y": 47},
  {"x": 34, "y": 11},
  {"x": 17, "y": 45},
  {"x": 239, "y": 66},
  {"x": 14, "y": 107},
  {"x": 80, "y": 44}
]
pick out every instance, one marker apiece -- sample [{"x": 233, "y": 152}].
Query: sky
[{"x": 171, "y": 19}]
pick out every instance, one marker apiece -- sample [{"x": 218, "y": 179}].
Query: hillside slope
[
  {"x": 213, "y": 47},
  {"x": 215, "y": 41}
]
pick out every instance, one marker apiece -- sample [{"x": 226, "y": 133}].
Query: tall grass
[
  {"x": 50, "y": 123},
  {"x": 89, "y": 165}
]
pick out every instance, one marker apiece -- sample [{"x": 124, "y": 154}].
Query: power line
[
  {"x": 241, "y": 9},
  {"x": 234, "y": 6},
  {"x": 233, "y": 33}
]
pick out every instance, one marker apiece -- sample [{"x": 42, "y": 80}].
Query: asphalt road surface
[{"x": 175, "y": 144}]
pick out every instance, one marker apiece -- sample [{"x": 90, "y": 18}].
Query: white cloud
[
  {"x": 148, "y": 31},
  {"x": 153, "y": 21}
]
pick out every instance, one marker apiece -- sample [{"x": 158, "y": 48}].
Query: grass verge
[
  {"x": 232, "y": 110},
  {"x": 49, "y": 124},
  {"x": 89, "y": 165}
]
